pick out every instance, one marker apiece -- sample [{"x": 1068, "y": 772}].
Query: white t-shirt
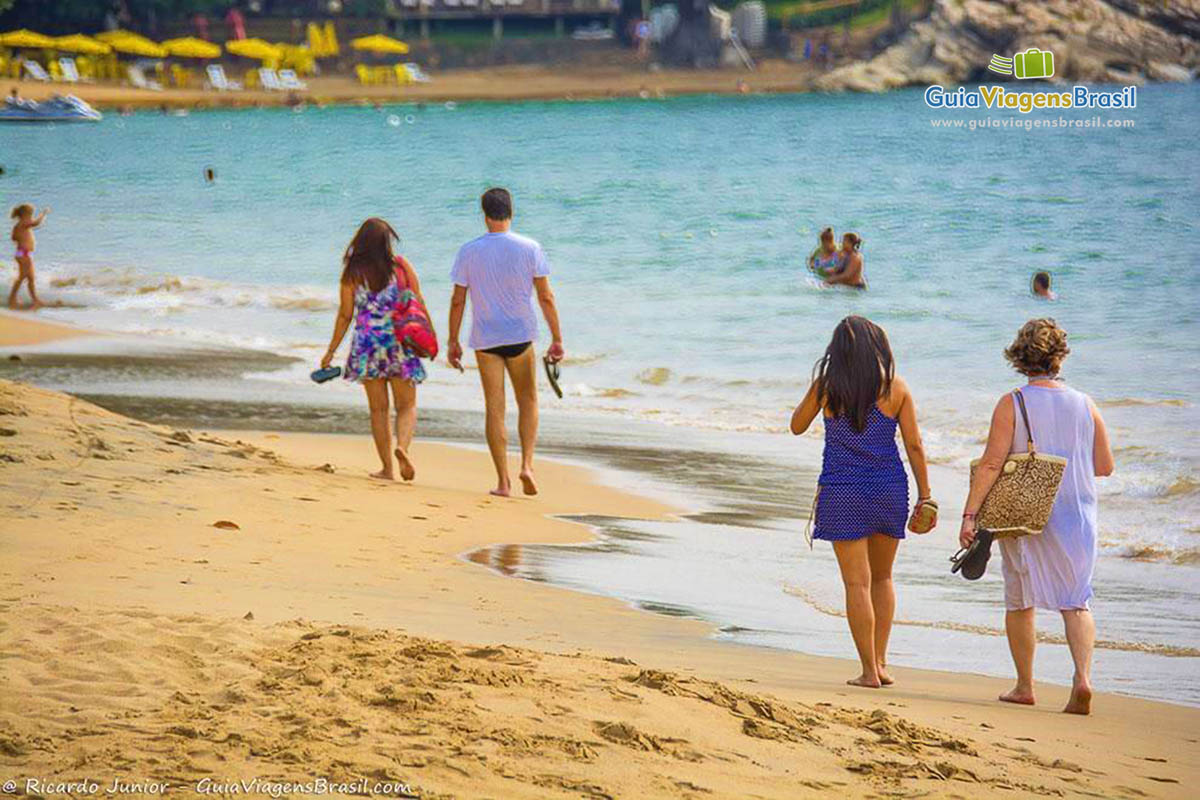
[{"x": 497, "y": 270}]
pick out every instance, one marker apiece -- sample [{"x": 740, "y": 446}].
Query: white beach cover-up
[{"x": 1053, "y": 569}]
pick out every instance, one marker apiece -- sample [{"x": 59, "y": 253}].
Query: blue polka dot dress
[{"x": 863, "y": 488}]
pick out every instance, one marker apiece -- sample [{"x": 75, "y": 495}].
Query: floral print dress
[{"x": 374, "y": 351}]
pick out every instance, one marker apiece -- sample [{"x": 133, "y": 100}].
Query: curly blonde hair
[{"x": 1039, "y": 348}]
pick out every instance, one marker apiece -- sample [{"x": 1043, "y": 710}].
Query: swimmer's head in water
[
  {"x": 851, "y": 241},
  {"x": 369, "y": 259},
  {"x": 23, "y": 211},
  {"x": 497, "y": 204},
  {"x": 1041, "y": 282}
]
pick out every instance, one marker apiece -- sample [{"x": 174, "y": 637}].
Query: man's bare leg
[
  {"x": 491, "y": 376},
  {"x": 523, "y": 371}
]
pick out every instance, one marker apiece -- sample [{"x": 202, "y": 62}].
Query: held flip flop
[
  {"x": 326, "y": 374},
  {"x": 552, "y": 375},
  {"x": 972, "y": 561}
]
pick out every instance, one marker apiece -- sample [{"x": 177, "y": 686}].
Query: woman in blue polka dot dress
[{"x": 862, "y": 495}]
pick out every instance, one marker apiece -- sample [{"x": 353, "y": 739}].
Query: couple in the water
[{"x": 836, "y": 266}]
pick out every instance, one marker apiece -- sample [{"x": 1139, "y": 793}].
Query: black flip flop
[
  {"x": 552, "y": 375},
  {"x": 972, "y": 561},
  {"x": 325, "y": 374}
]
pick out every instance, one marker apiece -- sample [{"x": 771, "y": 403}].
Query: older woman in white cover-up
[{"x": 1053, "y": 569}]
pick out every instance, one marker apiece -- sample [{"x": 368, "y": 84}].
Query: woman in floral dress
[{"x": 373, "y": 279}]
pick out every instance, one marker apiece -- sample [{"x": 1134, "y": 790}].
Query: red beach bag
[{"x": 411, "y": 318}]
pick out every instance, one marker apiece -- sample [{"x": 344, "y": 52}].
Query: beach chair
[
  {"x": 218, "y": 81},
  {"x": 291, "y": 82},
  {"x": 415, "y": 73},
  {"x": 364, "y": 74},
  {"x": 36, "y": 70},
  {"x": 138, "y": 79},
  {"x": 68, "y": 70},
  {"x": 269, "y": 80}
]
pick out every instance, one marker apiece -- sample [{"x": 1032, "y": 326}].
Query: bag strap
[
  {"x": 1025, "y": 419},
  {"x": 401, "y": 270}
]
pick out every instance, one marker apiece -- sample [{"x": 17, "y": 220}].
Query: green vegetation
[{"x": 794, "y": 14}]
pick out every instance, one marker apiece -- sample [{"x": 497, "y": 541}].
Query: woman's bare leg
[
  {"x": 377, "y": 401},
  {"x": 16, "y": 288},
  {"x": 1081, "y": 638},
  {"x": 404, "y": 393},
  {"x": 1022, "y": 640},
  {"x": 856, "y": 576},
  {"x": 491, "y": 375},
  {"x": 881, "y": 553}
]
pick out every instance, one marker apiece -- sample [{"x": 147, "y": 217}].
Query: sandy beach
[
  {"x": 521, "y": 82},
  {"x": 195, "y": 608}
]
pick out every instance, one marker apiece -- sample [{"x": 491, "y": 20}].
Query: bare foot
[
  {"x": 1080, "y": 702},
  {"x": 1023, "y": 697},
  {"x": 528, "y": 485},
  {"x": 383, "y": 475},
  {"x": 501, "y": 491},
  {"x": 868, "y": 681},
  {"x": 884, "y": 678},
  {"x": 407, "y": 470}
]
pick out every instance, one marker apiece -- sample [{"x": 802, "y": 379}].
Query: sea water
[{"x": 677, "y": 232}]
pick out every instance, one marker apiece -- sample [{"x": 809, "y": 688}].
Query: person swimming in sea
[
  {"x": 825, "y": 259},
  {"x": 23, "y": 238},
  {"x": 1041, "y": 286},
  {"x": 849, "y": 271}
]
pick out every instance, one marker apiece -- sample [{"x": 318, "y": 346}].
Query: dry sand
[
  {"x": 181, "y": 606},
  {"x": 527, "y": 82}
]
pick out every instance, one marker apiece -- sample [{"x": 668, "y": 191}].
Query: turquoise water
[{"x": 677, "y": 232}]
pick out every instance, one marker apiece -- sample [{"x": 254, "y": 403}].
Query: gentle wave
[
  {"x": 129, "y": 289},
  {"x": 1127, "y": 402},
  {"x": 1174, "y": 651},
  {"x": 654, "y": 376}
]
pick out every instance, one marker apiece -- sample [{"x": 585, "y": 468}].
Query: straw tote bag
[{"x": 1022, "y": 497}]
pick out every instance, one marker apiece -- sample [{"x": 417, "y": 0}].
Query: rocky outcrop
[{"x": 1113, "y": 41}]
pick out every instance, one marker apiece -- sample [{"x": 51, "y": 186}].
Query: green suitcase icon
[{"x": 1034, "y": 63}]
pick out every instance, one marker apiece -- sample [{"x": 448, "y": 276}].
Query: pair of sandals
[{"x": 972, "y": 560}]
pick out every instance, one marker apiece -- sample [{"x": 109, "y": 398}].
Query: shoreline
[
  {"x": 299, "y": 579},
  {"x": 501, "y": 84}
]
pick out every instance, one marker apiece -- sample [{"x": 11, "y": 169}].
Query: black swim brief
[{"x": 507, "y": 350}]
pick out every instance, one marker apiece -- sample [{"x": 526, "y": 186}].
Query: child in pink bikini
[{"x": 22, "y": 235}]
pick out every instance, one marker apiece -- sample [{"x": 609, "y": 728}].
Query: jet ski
[{"x": 58, "y": 108}]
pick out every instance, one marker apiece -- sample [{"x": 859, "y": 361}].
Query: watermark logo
[{"x": 1031, "y": 64}]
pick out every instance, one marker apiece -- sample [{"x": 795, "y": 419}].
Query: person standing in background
[{"x": 500, "y": 271}]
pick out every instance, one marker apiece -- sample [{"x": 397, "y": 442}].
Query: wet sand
[
  {"x": 528, "y": 82},
  {"x": 181, "y": 605}
]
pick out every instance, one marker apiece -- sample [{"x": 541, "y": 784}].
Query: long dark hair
[
  {"x": 369, "y": 258},
  {"x": 856, "y": 370}
]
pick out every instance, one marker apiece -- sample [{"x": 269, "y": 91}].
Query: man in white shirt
[{"x": 500, "y": 272}]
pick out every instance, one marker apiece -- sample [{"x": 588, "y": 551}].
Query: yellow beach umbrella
[
  {"x": 316, "y": 42},
  {"x": 379, "y": 44},
  {"x": 26, "y": 39},
  {"x": 191, "y": 47},
  {"x": 331, "y": 48},
  {"x": 132, "y": 44},
  {"x": 257, "y": 49},
  {"x": 78, "y": 43}
]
